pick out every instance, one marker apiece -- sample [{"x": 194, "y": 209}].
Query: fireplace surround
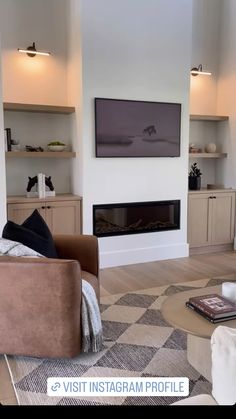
[{"x": 135, "y": 218}]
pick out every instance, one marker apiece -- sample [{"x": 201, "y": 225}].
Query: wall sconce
[
  {"x": 195, "y": 71},
  {"x": 31, "y": 51}
]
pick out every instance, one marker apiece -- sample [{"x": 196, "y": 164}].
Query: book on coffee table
[
  {"x": 212, "y": 320},
  {"x": 214, "y": 307}
]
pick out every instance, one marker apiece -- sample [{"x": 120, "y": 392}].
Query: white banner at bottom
[{"x": 117, "y": 386}]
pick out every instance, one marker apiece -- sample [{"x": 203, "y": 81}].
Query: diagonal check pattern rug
[{"x": 138, "y": 342}]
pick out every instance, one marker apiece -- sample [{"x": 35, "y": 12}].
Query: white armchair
[{"x": 223, "y": 349}]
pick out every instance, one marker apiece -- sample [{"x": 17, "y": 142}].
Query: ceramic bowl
[{"x": 56, "y": 147}]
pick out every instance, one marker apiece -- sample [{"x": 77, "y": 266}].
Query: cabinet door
[
  {"x": 199, "y": 209},
  {"x": 223, "y": 218},
  {"x": 19, "y": 212},
  {"x": 63, "y": 217}
]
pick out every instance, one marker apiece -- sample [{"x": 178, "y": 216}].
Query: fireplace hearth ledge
[{"x": 109, "y": 259}]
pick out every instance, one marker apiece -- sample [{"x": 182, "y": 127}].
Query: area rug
[{"x": 138, "y": 342}]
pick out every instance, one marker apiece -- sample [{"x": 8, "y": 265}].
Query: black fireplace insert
[{"x": 135, "y": 218}]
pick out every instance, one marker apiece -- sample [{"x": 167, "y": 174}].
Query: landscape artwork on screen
[{"x": 127, "y": 128}]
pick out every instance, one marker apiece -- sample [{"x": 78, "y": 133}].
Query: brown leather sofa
[{"x": 40, "y": 299}]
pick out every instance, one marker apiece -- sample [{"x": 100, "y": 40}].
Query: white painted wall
[
  {"x": 226, "y": 91},
  {"x": 205, "y": 51},
  {"x": 39, "y": 79},
  {"x": 75, "y": 91},
  {"x": 132, "y": 50},
  {"x": 203, "y": 89},
  {"x": 2, "y": 163}
]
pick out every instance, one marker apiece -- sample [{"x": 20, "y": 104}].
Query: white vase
[{"x": 210, "y": 148}]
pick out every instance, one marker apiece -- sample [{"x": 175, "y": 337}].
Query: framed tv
[{"x": 129, "y": 128}]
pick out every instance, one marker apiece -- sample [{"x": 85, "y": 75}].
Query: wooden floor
[
  {"x": 148, "y": 275},
  {"x": 141, "y": 276}
]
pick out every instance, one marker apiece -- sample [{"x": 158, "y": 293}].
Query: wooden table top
[{"x": 181, "y": 317}]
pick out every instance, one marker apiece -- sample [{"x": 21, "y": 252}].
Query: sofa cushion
[
  {"x": 33, "y": 233},
  {"x": 11, "y": 248},
  {"x": 223, "y": 346}
]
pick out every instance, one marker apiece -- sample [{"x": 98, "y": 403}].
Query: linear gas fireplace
[{"x": 135, "y": 218}]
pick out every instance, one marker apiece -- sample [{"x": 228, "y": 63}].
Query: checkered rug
[{"x": 138, "y": 342}]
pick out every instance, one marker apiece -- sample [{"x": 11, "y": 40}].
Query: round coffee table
[{"x": 199, "y": 329}]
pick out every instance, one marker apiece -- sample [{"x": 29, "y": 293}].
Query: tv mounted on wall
[{"x": 129, "y": 128}]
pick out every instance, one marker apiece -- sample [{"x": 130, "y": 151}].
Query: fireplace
[{"x": 135, "y": 218}]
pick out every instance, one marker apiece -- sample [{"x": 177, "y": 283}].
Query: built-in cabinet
[
  {"x": 211, "y": 218},
  {"x": 62, "y": 213}
]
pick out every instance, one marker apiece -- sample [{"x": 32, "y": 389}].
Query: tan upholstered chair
[{"x": 40, "y": 299}]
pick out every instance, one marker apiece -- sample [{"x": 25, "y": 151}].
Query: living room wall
[
  {"x": 23, "y": 22},
  {"x": 40, "y": 80},
  {"x": 205, "y": 51},
  {"x": 226, "y": 91},
  {"x": 203, "y": 89},
  {"x": 2, "y": 163},
  {"x": 131, "y": 50}
]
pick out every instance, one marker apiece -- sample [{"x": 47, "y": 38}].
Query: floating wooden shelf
[
  {"x": 207, "y": 155},
  {"x": 25, "y": 107},
  {"x": 208, "y": 118},
  {"x": 35, "y": 154}
]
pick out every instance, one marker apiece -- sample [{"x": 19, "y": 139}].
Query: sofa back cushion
[{"x": 33, "y": 233}]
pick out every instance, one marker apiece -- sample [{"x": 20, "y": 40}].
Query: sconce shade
[
  {"x": 31, "y": 51},
  {"x": 195, "y": 71}
]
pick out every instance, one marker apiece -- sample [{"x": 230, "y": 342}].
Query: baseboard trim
[
  {"x": 143, "y": 255},
  {"x": 211, "y": 249}
]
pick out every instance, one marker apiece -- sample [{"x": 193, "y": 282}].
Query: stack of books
[{"x": 213, "y": 307}]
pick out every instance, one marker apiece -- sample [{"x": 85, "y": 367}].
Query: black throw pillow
[{"x": 33, "y": 233}]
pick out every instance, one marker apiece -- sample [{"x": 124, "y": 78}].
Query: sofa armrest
[
  {"x": 83, "y": 248},
  {"x": 40, "y": 307}
]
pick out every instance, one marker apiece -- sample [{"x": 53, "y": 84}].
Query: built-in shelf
[
  {"x": 35, "y": 154},
  {"x": 208, "y": 118},
  {"x": 26, "y": 107},
  {"x": 207, "y": 155},
  {"x": 59, "y": 197}
]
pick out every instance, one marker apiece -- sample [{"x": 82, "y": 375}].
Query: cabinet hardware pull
[
  {"x": 48, "y": 207},
  {"x": 43, "y": 207}
]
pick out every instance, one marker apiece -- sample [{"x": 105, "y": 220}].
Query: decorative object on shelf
[
  {"x": 194, "y": 178},
  {"x": 8, "y": 139},
  {"x": 31, "y": 51},
  {"x": 31, "y": 148},
  {"x": 195, "y": 71},
  {"x": 210, "y": 148},
  {"x": 194, "y": 149},
  {"x": 15, "y": 145},
  {"x": 41, "y": 181},
  {"x": 56, "y": 146}
]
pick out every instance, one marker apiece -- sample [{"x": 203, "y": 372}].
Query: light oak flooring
[
  {"x": 154, "y": 274},
  {"x": 141, "y": 276}
]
